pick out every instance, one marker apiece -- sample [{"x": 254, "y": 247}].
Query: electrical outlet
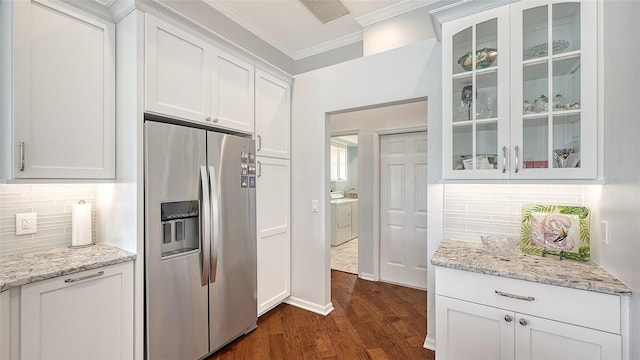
[{"x": 26, "y": 223}]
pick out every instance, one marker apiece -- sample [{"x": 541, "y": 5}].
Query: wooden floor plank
[{"x": 370, "y": 321}]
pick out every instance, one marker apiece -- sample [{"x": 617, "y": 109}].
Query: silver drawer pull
[
  {"x": 99, "y": 273},
  {"x": 513, "y": 296}
]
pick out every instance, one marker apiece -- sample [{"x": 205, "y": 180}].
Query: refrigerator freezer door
[
  {"x": 233, "y": 247},
  {"x": 176, "y": 301}
]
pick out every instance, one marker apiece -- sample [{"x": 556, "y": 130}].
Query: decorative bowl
[
  {"x": 484, "y": 57},
  {"x": 500, "y": 245}
]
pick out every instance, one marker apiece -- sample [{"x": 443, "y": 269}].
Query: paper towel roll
[{"x": 81, "y": 224}]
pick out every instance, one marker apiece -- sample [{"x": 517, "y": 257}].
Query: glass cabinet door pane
[
  {"x": 486, "y": 146},
  {"x": 487, "y": 95},
  {"x": 462, "y": 99},
  {"x": 487, "y": 44},
  {"x": 566, "y": 27},
  {"x": 566, "y": 141},
  {"x": 566, "y": 84},
  {"x": 535, "y": 36},
  {"x": 535, "y": 147},
  {"x": 462, "y": 145},
  {"x": 462, "y": 62},
  {"x": 535, "y": 88}
]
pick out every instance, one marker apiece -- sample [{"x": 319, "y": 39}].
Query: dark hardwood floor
[{"x": 371, "y": 320}]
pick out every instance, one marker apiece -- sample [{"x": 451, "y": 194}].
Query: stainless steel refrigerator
[{"x": 200, "y": 240}]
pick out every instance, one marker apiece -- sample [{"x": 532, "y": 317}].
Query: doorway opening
[
  {"x": 369, "y": 124},
  {"x": 344, "y": 202}
]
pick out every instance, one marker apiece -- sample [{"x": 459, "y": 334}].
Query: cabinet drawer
[{"x": 585, "y": 308}]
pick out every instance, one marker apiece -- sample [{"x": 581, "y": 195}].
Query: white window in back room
[{"x": 338, "y": 162}]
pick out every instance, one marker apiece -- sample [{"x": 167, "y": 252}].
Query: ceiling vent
[{"x": 325, "y": 10}]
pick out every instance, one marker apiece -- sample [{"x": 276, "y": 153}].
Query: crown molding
[
  {"x": 250, "y": 26},
  {"x": 329, "y": 45},
  {"x": 392, "y": 11}
]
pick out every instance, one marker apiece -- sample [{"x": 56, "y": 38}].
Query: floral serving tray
[{"x": 557, "y": 230}]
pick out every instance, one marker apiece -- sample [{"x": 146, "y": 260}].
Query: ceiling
[{"x": 291, "y": 28}]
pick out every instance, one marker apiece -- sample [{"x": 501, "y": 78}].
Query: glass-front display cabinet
[{"x": 520, "y": 90}]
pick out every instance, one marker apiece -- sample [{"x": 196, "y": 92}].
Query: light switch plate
[
  {"x": 26, "y": 223},
  {"x": 604, "y": 228}
]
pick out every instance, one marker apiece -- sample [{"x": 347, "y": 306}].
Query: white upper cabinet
[
  {"x": 188, "y": 78},
  {"x": 177, "y": 72},
  {"x": 57, "y": 92},
  {"x": 232, "y": 104},
  {"x": 513, "y": 109},
  {"x": 273, "y": 116}
]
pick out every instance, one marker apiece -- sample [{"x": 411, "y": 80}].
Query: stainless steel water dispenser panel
[{"x": 180, "y": 228}]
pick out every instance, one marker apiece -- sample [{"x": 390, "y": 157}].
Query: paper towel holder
[{"x": 81, "y": 202}]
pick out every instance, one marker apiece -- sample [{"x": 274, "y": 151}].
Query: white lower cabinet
[
  {"x": 487, "y": 317},
  {"x": 87, "y": 315},
  {"x": 274, "y": 232}
]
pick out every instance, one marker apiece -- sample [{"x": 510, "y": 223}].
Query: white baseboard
[
  {"x": 307, "y": 305},
  {"x": 430, "y": 343},
  {"x": 367, "y": 276}
]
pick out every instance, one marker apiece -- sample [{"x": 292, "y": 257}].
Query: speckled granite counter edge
[
  {"x": 22, "y": 269},
  {"x": 610, "y": 285}
]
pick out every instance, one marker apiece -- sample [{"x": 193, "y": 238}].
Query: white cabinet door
[
  {"x": 178, "y": 77},
  {"x": 471, "y": 331},
  {"x": 554, "y": 93},
  {"x": 58, "y": 92},
  {"x": 274, "y": 232},
  {"x": 88, "y": 315},
  {"x": 538, "y": 338},
  {"x": 273, "y": 119},
  {"x": 5, "y": 323},
  {"x": 475, "y": 95},
  {"x": 232, "y": 92}
]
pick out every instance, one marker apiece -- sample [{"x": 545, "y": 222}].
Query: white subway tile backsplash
[
  {"x": 52, "y": 203},
  {"x": 472, "y": 210}
]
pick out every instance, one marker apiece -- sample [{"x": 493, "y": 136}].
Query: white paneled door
[{"x": 403, "y": 209}]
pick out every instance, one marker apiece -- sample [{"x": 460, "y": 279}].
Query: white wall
[
  {"x": 366, "y": 123},
  {"x": 405, "y": 73},
  {"x": 402, "y": 30},
  {"x": 620, "y": 196}
]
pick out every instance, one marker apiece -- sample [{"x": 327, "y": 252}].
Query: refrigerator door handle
[
  {"x": 215, "y": 208},
  {"x": 206, "y": 225}
]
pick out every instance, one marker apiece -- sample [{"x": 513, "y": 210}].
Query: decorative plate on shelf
[
  {"x": 541, "y": 50},
  {"x": 556, "y": 230}
]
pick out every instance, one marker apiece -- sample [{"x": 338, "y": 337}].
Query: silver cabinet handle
[
  {"x": 215, "y": 120},
  {"x": 514, "y": 296},
  {"x": 504, "y": 159},
  {"x": 208, "y": 118},
  {"x": 72, "y": 280},
  {"x": 517, "y": 158},
  {"x": 259, "y": 138},
  {"x": 259, "y": 169},
  {"x": 523, "y": 322},
  {"x": 508, "y": 318},
  {"x": 206, "y": 225},
  {"x": 21, "y": 144}
]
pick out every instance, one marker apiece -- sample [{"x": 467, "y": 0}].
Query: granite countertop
[
  {"x": 471, "y": 256},
  {"x": 21, "y": 269}
]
